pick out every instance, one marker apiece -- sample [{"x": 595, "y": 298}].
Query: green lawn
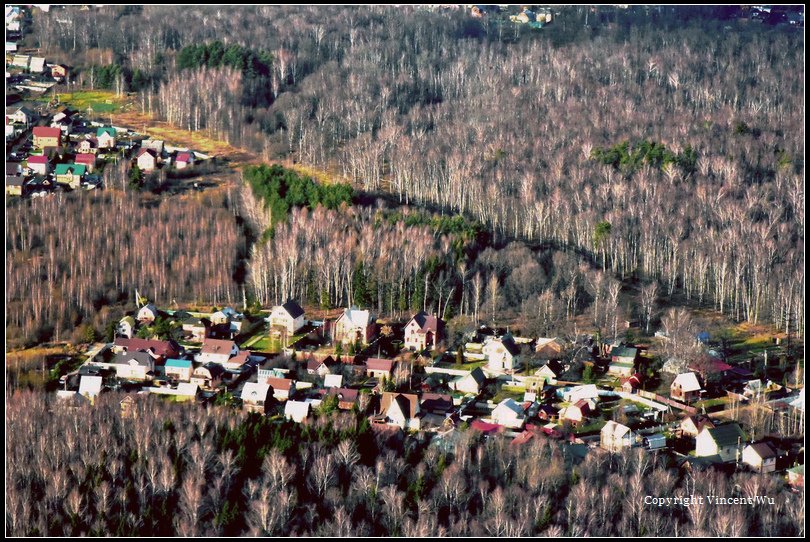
[
  {"x": 102, "y": 101},
  {"x": 708, "y": 403}
]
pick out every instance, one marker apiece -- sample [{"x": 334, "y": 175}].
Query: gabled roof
[
  {"x": 614, "y": 430},
  {"x": 85, "y": 159},
  {"x": 179, "y": 363},
  {"x": 687, "y": 381},
  {"x": 70, "y": 169},
  {"x": 161, "y": 348},
  {"x": 37, "y": 159},
  {"x": 134, "y": 358},
  {"x": 217, "y": 346},
  {"x": 185, "y": 157},
  {"x": 90, "y": 385},
  {"x": 292, "y": 308},
  {"x": 726, "y": 435},
  {"x": 280, "y": 384},
  {"x": 141, "y": 152},
  {"x": 357, "y": 317},
  {"x": 109, "y": 130},
  {"x": 313, "y": 364},
  {"x": 764, "y": 450},
  {"x": 255, "y": 391},
  {"x": 624, "y": 352},
  {"x": 408, "y": 403},
  {"x": 46, "y": 131},
  {"x": 332, "y": 381},
  {"x": 296, "y": 409},
  {"x": 213, "y": 369},
  {"x": 511, "y": 405},
  {"x": 344, "y": 394},
  {"x": 427, "y": 322},
  {"x": 378, "y": 364}
]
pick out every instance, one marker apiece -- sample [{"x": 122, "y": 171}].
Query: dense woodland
[
  {"x": 681, "y": 132},
  {"x": 172, "y": 469},
  {"x": 72, "y": 256}
]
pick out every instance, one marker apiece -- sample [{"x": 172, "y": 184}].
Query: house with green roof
[
  {"x": 726, "y": 441},
  {"x": 106, "y": 137},
  {"x": 179, "y": 368},
  {"x": 70, "y": 174},
  {"x": 622, "y": 360}
]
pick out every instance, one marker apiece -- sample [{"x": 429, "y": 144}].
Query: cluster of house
[{"x": 67, "y": 152}]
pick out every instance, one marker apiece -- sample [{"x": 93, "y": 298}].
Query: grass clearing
[{"x": 100, "y": 101}]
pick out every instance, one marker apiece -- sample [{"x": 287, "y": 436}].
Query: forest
[
  {"x": 680, "y": 130},
  {"x": 167, "y": 469}
]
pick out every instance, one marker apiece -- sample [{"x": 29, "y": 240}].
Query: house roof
[
  {"x": 17, "y": 180},
  {"x": 280, "y": 384},
  {"x": 378, "y": 364},
  {"x": 332, "y": 381},
  {"x": 186, "y": 157},
  {"x": 614, "y": 430},
  {"x": 90, "y": 385},
  {"x": 624, "y": 352},
  {"x": 296, "y": 409},
  {"x": 255, "y": 391},
  {"x": 507, "y": 341},
  {"x": 70, "y": 169},
  {"x": 241, "y": 358},
  {"x": 85, "y": 159},
  {"x": 726, "y": 435},
  {"x": 427, "y": 322},
  {"x": 37, "y": 159},
  {"x": 344, "y": 394},
  {"x": 217, "y": 346},
  {"x": 213, "y": 369},
  {"x": 46, "y": 131},
  {"x": 764, "y": 450},
  {"x": 106, "y": 130},
  {"x": 129, "y": 320},
  {"x": 161, "y": 348},
  {"x": 511, "y": 405},
  {"x": 485, "y": 427},
  {"x": 293, "y": 309},
  {"x": 357, "y": 317},
  {"x": 134, "y": 358},
  {"x": 179, "y": 363},
  {"x": 687, "y": 381},
  {"x": 150, "y": 152},
  {"x": 313, "y": 364},
  {"x": 431, "y": 401},
  {"x": 408, "y": 403}
]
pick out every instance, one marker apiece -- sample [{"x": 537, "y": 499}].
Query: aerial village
[
  {"x": 405, "y": 377},
  {"x": 52, "y": 147}
]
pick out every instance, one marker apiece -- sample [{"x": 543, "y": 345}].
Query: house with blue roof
[{"x": 180, "y": 369}]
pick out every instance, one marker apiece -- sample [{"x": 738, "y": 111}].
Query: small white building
[
  {"x": 725, "y": 441},
  {"x": 616, "y": 437},
  {"x": 255, "y": 396},
  {"x": 761, "y": 457},
  {"x": 147, "y": 314},
  {"x": 502, "y": 353},
  {"x": 472, "y": 382},
  {"x": 126, "y": 327},
  {"x": 288, "y": 317},
  {"x": 90, "y": 386},
  {"x": 401, "y": 410},
  {"x": 509, "y": 414},
  {"x": 296, "y": 411}
]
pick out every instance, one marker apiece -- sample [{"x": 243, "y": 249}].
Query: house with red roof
[
  {"x": 423, "y": 332},
  {"x": 88, "y": 160},
  {"x": 39, "y": 164},
  {"x": 379, "y": 368},
  {"x": 184, "y": 159},
  {"x": 45, "y": 136}
]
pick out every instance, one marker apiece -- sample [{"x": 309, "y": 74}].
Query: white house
[
  {"x": 587, "y": 392},
  {"x": 502, "y": 353},
  {"x": 401, "y": 410},
  {"x": 180, "y": 369},
  {"x": 255, "y": 396},
  {"x": 332, "y": 381},
  {"x": 126, "y": 327},
  {"x": 685, "y": 387},
  {"x": 288, "y": 317},
  {"x": 472, "y": 382},
  {"x": 423, "y": 331},
  {"x": 217, "y": 351},
  {"x": 133, "y": 365},
  {"x": 296, "y": 411},
  {"x": 147, "y": 314},
  {"x": 509, "y": 414},
  {"x": 725, "y": 441},
  {"x": 615, "y": 437},
  {"x": 282, "y": 387},
  {"x": 90, "y": 386},
  {"x": 761, "y": 457},
  {"x": 354, "y": 326}
]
